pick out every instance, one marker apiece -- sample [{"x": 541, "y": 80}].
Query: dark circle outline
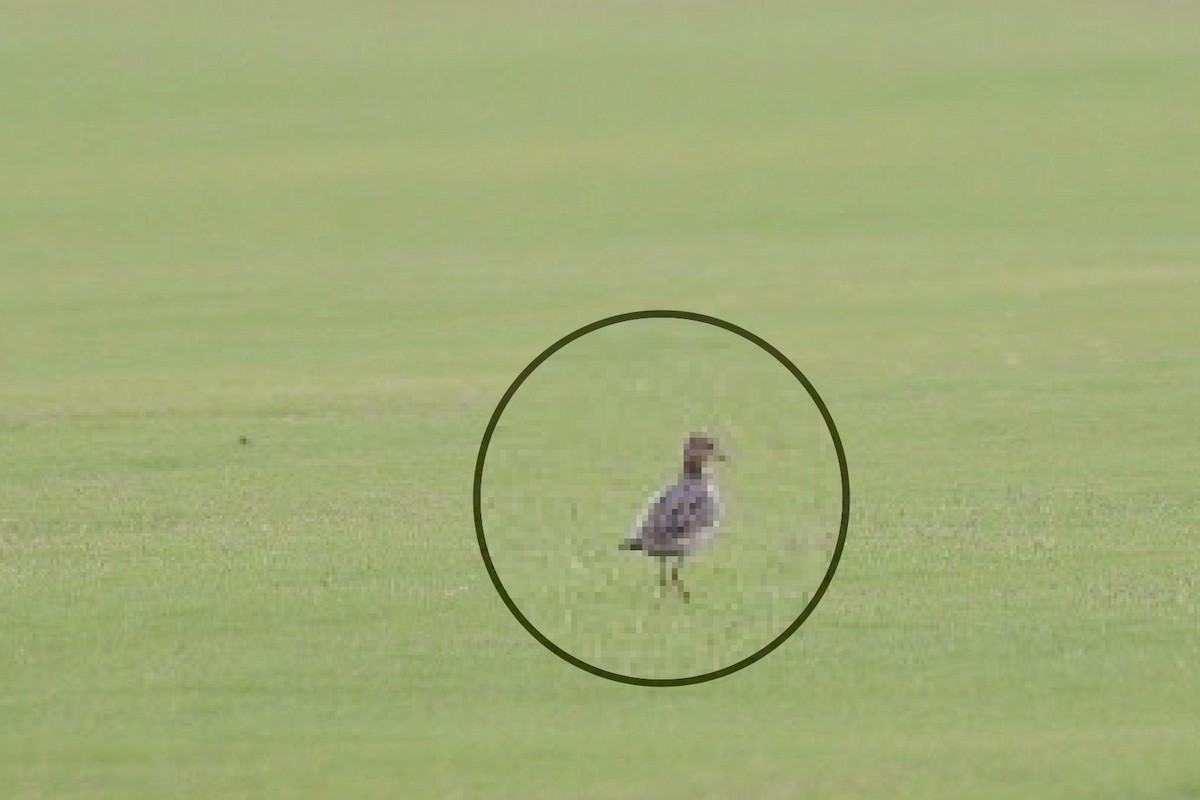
[{"x": 691, "y": 679}]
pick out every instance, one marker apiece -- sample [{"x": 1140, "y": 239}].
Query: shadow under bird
[{"x": 683, "y": 516}]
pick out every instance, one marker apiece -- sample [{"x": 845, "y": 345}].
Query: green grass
[
  {"x": 599, "y": 426},
  {"x": 341, "y": 231}
]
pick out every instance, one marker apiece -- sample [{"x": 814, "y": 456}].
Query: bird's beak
[{"x": 722, "y": 456}]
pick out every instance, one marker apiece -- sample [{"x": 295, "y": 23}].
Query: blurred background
[{"x": 266, "y": 269}]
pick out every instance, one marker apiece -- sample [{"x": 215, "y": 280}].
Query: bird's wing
[{"x": 679, "y": 511}]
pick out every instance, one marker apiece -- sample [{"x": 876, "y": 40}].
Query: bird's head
[{"x": 698, "y": 449}]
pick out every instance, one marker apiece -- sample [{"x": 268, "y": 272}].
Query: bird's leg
[
  {"x": 662, "y": 574},
  {"x": 675, "y": 579}
]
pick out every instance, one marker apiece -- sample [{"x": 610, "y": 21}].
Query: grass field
[
  {"x": 599, "y": 425},
  {"x": 340, "y": 231}
]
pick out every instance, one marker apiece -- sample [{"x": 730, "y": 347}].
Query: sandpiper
[{"x": 683, "y": 516}]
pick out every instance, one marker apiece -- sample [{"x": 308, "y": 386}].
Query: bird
[{"x": 684, "y": 515}]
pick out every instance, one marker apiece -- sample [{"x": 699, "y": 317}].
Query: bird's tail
[{"x": 632, "y": 543}]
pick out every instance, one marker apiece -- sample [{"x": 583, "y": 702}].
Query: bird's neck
[{"x": 693, "y": 468}]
